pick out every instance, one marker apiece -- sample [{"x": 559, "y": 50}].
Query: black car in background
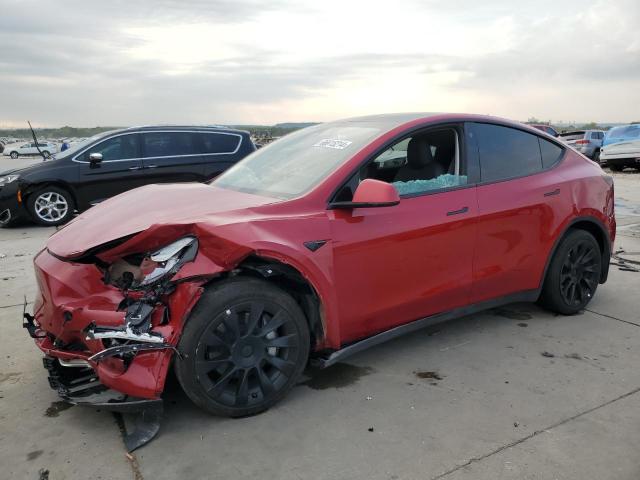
[{"x": 113, "y": 162}]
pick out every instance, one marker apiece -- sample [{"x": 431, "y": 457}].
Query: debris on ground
[
  {"x": 523, "y": 325},
  {"x": 547, "y": 354},
  {"x": 511, "y": 314},
  {"x": 431, "y": 375},
  {"x": 625, "y": 264},
  {"x": 371, "y": 429}
]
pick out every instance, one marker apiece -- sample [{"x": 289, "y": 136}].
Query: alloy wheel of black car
[
  {"x": 246, "y": 345},
  {"x": 14, "y": 155},
  {"x": 573, "y": 274},
  {"x": 51, "y": 206}
]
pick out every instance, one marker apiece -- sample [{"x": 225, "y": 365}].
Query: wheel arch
[
  {"x": 289, "y": 279},
  {"x": 596, "y": 228},
  {"x": 35, "y": 187}
]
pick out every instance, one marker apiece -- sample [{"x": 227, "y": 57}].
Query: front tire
[
  {"x": 46, "y": 154},
  {"x": 50, "y": 206},
  {"x": 243, "y": 348},
  {"x": 616, "y": 168},
  {"x": 573, "y": 275},
  {"x": 14, "y": 155}
]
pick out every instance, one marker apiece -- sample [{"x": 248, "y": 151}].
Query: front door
[
  {"x": 397, "y": 264},
  {"x": 120, "y": 169}
]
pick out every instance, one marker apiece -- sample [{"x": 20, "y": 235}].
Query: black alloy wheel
[
  {"x": 573, "y": 274},
  {"x": 579, "y": 273},
  {"x": 247, "y": 344}
]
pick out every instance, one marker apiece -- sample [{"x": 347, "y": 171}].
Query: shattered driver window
[{"x": 419, "y": 164}]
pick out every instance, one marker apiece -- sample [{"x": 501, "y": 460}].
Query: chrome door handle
[
  {"x": 553, "y": 192},
  {"x": 135, "y": 168},
  {"x": 458, "y": 212},
  {"x": 151, "y": 166}
]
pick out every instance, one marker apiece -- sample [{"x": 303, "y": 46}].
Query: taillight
[{"x": 582, "y": 142}]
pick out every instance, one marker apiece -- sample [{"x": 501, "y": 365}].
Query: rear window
[
  {"x": 571, "y": 135},
  {"x": 169, "y": 144},
  {"x": 218, "y": 142},
  {"x": 506, "y": 152}
]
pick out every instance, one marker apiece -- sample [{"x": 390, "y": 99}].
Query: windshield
[
  {"x": 75, "y": 147},
  {"x": 628, "y": 131},
  {"x": 295, "y": 164}
]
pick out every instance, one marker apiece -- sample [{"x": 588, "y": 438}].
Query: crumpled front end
[
  {"x": 80, "y": 319},
  {"x": 107, "y": 345}
]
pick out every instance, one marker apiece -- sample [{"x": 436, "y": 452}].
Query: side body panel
[{"x": 396, "y": 264}]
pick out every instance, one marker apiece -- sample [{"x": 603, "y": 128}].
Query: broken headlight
[{"x": 140, "y": 271}]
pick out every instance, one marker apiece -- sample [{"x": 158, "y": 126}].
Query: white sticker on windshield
[{"x": 331, "y": 143}]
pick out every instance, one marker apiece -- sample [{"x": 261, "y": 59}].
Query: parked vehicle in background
[
  {"x": 622, "y": 133},
  {"x": 17, "y": 150},
  {"x": 333, "y": 239},
  {"x": 587, "y": 142},
  {"x": 545, "y": 128},
  {"x": 622, "y": 154},
  {"x": 114, "y": 162}
]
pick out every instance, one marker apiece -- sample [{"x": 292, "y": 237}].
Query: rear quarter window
[
  {"x": 506, "y": 152},
  {"x": 550, "y": 152},
  {"x": 212, "y": 143}
]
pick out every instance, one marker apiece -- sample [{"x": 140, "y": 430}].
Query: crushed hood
[{"x": 153, "y": 205}]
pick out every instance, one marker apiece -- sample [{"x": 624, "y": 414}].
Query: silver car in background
[{"x": 587, "y": 142}]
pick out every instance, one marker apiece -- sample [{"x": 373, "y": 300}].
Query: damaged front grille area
[{"x": 134, "y": 336}]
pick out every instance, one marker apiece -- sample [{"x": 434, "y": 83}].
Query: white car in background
[
  {"x": 18, "y": 149},
  {"x": 620, "y": 155}
]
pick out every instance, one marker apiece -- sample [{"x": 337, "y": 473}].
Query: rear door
[
  {"x": 220, "y": 151},
  {"x": 520, "y": 204},
  {"x": 120, "y": 169},
  {"x": 172, "y": 156}
]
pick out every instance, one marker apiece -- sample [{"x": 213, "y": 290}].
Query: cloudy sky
[{"x": 119, "y": 62}]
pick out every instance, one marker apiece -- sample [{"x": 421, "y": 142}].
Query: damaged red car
[{"x": 330, "y": 240}]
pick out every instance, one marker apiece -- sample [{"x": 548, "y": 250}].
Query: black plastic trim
[
  {"x": 348, "y": 205},
  {"x": 356, "y": 347},
  {"x": 606, "y": 254}
]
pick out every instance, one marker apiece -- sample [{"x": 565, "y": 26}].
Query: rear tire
[
  {"x": 616, "y": 168},
  {"x": 573, "y": 274},
  {"x": 14, "y": 155},
  {"x": 245, "y": 345},
  {"x": 596, "y": 156},
  {"x": 46, "y": 154}
]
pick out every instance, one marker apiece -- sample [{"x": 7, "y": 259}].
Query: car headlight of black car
[{"x": 6, "y": 179}]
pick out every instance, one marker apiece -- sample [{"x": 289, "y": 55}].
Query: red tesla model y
[{"x": 330, "y": 240}]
